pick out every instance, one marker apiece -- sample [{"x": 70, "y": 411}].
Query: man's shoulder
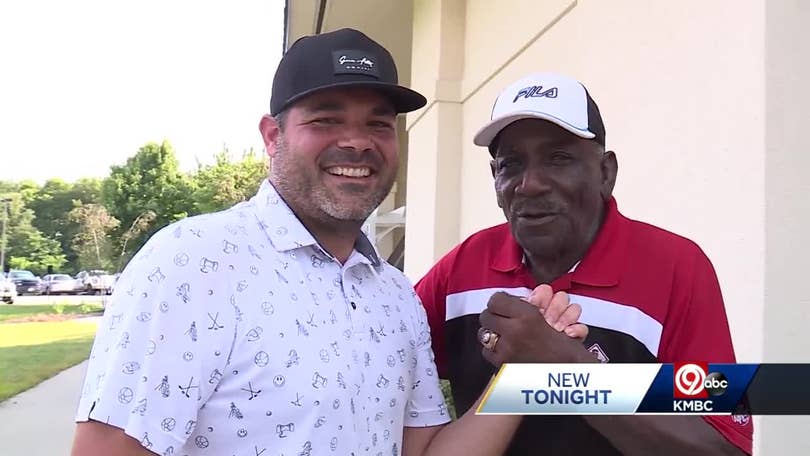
[
  {"x": 654, "y": 240},
  {"x": 471, "y": 260},
  {"x": 389, "y": 272},
  {"x": 214, "y": 228},
  {"x": 490, "y": 235},
  {"x": 648, "y": 232},
  {"x": 483, "y": 242},
  {"x": 203, "y": 238}
]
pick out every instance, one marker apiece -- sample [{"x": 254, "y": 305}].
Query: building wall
[{"x": 787, "y": 208}]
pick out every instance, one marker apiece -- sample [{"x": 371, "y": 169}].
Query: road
[{"x": 65, "y": 299}]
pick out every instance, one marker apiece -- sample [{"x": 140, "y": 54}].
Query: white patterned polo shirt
[{"x": 234, "y": 333}]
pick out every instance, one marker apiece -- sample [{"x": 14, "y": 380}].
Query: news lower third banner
[{"x": 692, "y": 388}]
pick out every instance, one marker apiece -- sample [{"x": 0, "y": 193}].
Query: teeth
[{"x": 350, "y": 172}]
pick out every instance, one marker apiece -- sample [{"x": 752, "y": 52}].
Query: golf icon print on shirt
[{"x": 227, "y": 325}]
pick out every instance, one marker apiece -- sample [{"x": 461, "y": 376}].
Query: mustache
[
  {"x": 337, "y": 156},
  {"x": 536, "y": 207}
]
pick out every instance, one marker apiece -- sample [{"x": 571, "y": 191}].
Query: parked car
[
  {"x": 95, "y": 282},
  {"x": 8, "y": 291},
  {"x": 26, "y": 282},
  {"x": 59, "y": 284}
]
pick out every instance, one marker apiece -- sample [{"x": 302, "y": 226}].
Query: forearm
[
  {"x": 662, "y": 435},
  {"x": 475, "y": 435}
]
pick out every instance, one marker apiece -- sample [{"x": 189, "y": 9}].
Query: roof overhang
[{"x": 387, "y": 22}]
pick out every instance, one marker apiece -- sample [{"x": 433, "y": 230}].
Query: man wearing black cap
[
  {"x": 647, "y": 295},
  {"x": 274, "y": 327}
]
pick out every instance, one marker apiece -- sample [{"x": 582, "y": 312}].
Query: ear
[
  {"x": 492, "y": 168},
  {"x": 609, "y": 168},
  {"x": 270, "y": 131}
]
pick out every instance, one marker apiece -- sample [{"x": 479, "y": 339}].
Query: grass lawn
[
  {"x": 33, "y": 352},
  {"x": 20, "y": 312}
]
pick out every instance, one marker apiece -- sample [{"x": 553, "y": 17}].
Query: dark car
[{"x": 26, "y": 282}]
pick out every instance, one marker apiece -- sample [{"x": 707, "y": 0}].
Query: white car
[
  {"x": 58, "y": 284},
  {"x": 94, "y": 282},
  {"x": 8, "y": 290}
]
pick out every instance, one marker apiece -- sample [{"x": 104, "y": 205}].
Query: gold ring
[{"x": 488, "y": 338}]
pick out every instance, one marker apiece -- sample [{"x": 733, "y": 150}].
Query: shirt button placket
[
  {"x": 353, "y": 304},
  {"x": 360, "y": 375}
]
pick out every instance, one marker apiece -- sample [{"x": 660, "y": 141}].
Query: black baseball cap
[{"x": 343, "y": 58}]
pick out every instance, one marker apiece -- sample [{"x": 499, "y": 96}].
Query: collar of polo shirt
[{"x": 286, "y": 231}]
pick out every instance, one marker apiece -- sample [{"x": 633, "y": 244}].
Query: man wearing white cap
[{"x": 647, "y": 295}]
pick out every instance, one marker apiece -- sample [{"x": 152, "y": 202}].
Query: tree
[
  {"x": 7, "y": 187},
  {"x": 87, "y": 190},
  {"x": 52, "y": 204},
  {"x": 228, "y": 182},
  {"x": 28, "y": 191},
  {"x": 148, "y": 181},
  {"x": 138, "y": 227},
  {"x": 26, "y": 246},
  {"x": 92, "y": 242}
]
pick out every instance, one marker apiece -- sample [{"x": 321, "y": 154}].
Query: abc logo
[
  {"x": 692, "y": 381},
  {"x": 715, "y": 383}
]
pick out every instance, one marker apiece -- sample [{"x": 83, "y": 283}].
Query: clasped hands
[{"x": 540, "y": 328}]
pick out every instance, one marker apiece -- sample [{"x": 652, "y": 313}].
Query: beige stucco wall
[{"x": 787, "y": 209}]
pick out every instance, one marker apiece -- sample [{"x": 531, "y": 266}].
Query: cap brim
[
  {"x": 489, "y": 131},
  {"x": 403, "y": 98}
]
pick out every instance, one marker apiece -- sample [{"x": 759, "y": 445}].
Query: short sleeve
[
  {"x": 163, "y": 342},
  {"x": 700, "y": 332},
  {"x": 426, "y": 406},
  {"x": 432, "y": 291}
]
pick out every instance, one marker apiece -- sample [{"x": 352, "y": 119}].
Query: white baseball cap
[{"x": 548, "y": 96}]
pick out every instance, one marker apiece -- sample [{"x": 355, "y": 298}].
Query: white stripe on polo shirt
[{"x": 595, "y": 312}]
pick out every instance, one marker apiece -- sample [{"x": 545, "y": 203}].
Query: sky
[{"x": 85, "y": 83}]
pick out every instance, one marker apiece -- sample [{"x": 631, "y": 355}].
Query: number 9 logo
[{"x": 689, "y": 379}]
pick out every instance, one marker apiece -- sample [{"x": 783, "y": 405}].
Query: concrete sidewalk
[{"x": 39, "y": 422}]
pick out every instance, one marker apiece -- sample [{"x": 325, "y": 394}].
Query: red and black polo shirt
[{"x": 647, "y": 295}]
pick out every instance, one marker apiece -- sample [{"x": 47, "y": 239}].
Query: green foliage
[
  {"x": 26, "y": 247},
  {"x": 447, "y": 392},
  {"x": 92, "y": 244},
  {"x": 32, "y": 312},
  {"x": 52, "y": 205},
  {"x": 99, "y": 224},
  {"x": 135, "y": 230},
  {"x": 33, "y": 352},
  {"x": 228, "y": 182},
  {"x": 150, "y": 180}
]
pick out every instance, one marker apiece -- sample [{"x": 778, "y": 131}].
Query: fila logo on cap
[
  {"x": 536, "y": 91},
  {"x": 551, "y": 97}
]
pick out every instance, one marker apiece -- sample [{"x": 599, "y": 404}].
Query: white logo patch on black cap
[{"x": 354, "y": 62}]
